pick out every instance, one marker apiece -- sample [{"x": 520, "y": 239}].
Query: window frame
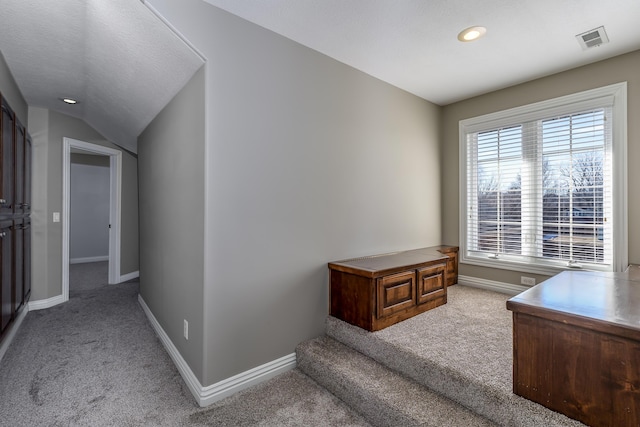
[{"x": 614, "y": 95}]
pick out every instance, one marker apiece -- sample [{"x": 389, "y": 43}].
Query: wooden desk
[
  {"x": 377, "y": 291},
  {"x": 576, "y": 346}
]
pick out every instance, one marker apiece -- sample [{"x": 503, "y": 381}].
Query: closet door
[
  {"x": 6, "y": 152},
  {"x": 6, "y": 294}
]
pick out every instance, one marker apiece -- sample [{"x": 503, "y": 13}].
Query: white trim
[
  {"x": 174, "y": 29},
  {"x": 88, "y": 259},
  {"x": 620, "y": 179},
  {"x": 615, "y": 94},
  {"x": 210, "y": 394},
  {"x": 545, "y": 270},
  {"x": 243, "y": 380},
  {"x": 115, "y": 180},
  {"x": 491, "y": 285},
  {"x": 41, "y": 304},
  {"x": 129, "y": 276},
  {"x": 13, "y": 329}
]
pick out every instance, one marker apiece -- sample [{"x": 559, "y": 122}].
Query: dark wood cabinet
[
  {"x": 7, "y": 123},
  {"x": 28, "y": 155},
  {"x": 26, "y": 260},
  {"x": 18, "y": 264},
  {"x": 15, "y": 208},
  {"x": 576, "y": 346},
  {"x": 6, "y": 294},
  {"x": 19, "y": 168},
  {"x": 377, "y": 291}
]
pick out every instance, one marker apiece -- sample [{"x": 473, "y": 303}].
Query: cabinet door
[
  {"x": 6, "y": 294},
  {"x": 27, "y": 259},
  {"x": 6, "y": 151},
  {"x": 395, "y": 293},
  {"x": 18, "y": 264},
  {"x": 28, "y": 147},
  {"x": 431, "y": 283},
  {"x": 18, "y": 195}
]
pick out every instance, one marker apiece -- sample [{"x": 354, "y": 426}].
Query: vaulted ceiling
[
  {"x": 123, "y": 64},
  {"x": 118, "y": 59},
  {"x": 413, "y": 44}
]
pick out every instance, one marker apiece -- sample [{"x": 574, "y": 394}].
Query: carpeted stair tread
[
  {"x": 461, "y": 350},
  {"x": 382, "y": 396}
]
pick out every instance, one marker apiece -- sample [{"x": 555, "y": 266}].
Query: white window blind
[{"x": 540, "y": 187}]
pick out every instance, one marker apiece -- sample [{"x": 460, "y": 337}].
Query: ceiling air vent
[{"x": 592, "y": 38}]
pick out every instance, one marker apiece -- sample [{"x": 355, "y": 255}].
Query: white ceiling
[
  {"x": 115, "y": 57},
  {"x": 124, "y": 65},
  {"x": 413, "y": 44}
]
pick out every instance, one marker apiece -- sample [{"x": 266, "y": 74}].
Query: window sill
[{"x": 525, "y": 267}]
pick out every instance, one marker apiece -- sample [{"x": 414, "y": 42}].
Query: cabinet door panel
[
  {"x": 27, "y": 259},
  {"x": 6, "y": 294},
  {"x": 396, "y": 292},
  {"x": 18, "y": 195},
  {"x": 28, "y": 146},
  {"x": 18, "y": 264},
  {"x": 431, "y": 283},
  {"x": 6, "y": 151}
]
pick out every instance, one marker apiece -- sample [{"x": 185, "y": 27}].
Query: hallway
[{"x": 96, "y": 361}]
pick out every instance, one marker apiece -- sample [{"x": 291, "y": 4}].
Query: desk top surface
[{"x": 609, "y": 298}]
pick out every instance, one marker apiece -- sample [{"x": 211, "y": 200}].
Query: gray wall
[
  {"x": 48, "y": 128},
  {"x": 618, "y": 69},
  {"x": 11, "y": 92},
  {"x": 89, "y": 207},
  {"x": 171, "y": 168},
  {"x": 308, "y": 161}
]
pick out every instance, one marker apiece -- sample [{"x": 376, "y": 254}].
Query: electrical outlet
[
  {"x": 56, "y": 217},
  {"x": 186, "y": 329},
  {"x": 527, "y": 281}
]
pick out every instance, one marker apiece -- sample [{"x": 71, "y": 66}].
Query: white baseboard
[
  {"x": 88, "y": 259},
  {"x": 129, "y": 276},
  {"x": 491, "y": 285},
  {"x": 46, "y": 303},
  {"x": 13, "y": 329},
  {"x": 205, "y": 396}
]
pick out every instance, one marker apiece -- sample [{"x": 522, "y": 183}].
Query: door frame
[{"x": 115, "y": 192}]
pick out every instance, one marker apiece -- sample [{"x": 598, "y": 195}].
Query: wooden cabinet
[
  {"x": 18, "y": 264},
  {"x": 6, "y": 255},
  {"x": 28, "y": 155},
  {"x": 15, "y": 208},
  {"x": 377, "y": 291},
  {"x": 26, "y": 260},
  {"x": 7, "y": 123},
  {"x": 576, "y": 346},
  {"x": 19, "y": 168}
]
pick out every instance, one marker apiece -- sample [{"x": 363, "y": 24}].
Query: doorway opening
[{"x": 115, "y": 179}]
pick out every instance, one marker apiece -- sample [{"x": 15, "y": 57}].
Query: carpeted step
[
  {"x": 382, "y": 396},
  {"x": 461, "y": 350}
]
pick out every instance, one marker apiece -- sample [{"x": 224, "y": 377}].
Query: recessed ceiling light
[
  {"x": 69, "y": 101},
  {"x": 472, "y": 33}
]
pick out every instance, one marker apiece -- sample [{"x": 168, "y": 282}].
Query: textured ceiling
[
  {"x": 413, "y": 44},
  {"x": 124, "y": 65},
  {"x": 115, "y": 57}
]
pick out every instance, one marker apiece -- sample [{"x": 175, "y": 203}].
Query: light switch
[{"x": 56, "y": 217}]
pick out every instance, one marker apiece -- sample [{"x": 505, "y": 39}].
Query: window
[{"x": 543, "y": 187}]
